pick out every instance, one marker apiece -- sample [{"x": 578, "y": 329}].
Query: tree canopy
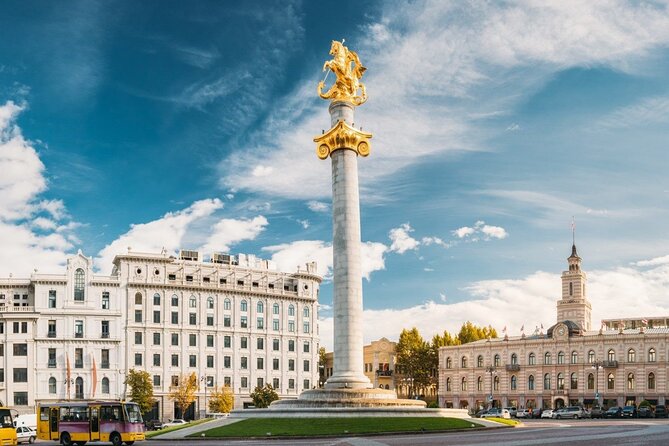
[
  {"x": 141, "y": 389},
  {"x": 263, "y": 396},
  {"x": 222, "y": 400},
  {"x": 184, "y": 394}
]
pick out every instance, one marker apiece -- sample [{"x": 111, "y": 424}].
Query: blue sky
[{"x": 166, "y": 124}]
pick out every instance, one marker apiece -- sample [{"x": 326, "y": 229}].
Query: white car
[
  {"x": 497, "y": 413},
  {"x": 25, "y": 434},
  {"x": 172, "y": 423},
  {"x": 548, "y": 413}
]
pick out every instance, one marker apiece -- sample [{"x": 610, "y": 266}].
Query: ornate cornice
[{"x": 342, "y": 136}]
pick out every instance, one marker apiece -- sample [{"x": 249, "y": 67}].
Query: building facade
[
  {"x": 626, "y": 361},
  {"x": 231, "y": 320}
]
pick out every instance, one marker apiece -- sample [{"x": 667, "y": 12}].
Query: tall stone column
[{"x": 347, "y": 297}]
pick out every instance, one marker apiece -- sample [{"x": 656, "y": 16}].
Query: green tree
[
  {"x": 141, "y": 389},
  {"x": 222, "y": 400},
  {"x": 322, "y": 361},
  {"x": 416, "y": 360},
  {"x": 184, "y": 394},
  {"x": 470, "y": 333},
  {"x": 263, "y": 396}
]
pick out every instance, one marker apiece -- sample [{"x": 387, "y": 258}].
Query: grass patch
[
  {"x": 506, "y": 421},
  {"x": 307, "y": 427},
  {"x": 151, "y": 434}
]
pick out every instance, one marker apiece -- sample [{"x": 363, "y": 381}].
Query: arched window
[
  {"x": 560, "y": 381},
  {"x": 591, "y": 381},
  {"x": 463, "y": 384},
  {"x": 547, "y": 358},
  {"x": 275, "y": 309},
  {"x": 573, "y": 381},
  {"x": 479, "y": 361},
  {"x": 79, "y": 284},
  {"x": 532, "y": 359},
  {"x": 226, "y": 304},
  {"x": 138, "y": 298},
  {"x": 514, "y": 359},
  {"x": 192, "y": 302},
  {"x": 651, "y": 355},
  {"x": 260, "y": 308},
  {"x": 651, "y": 381},
  {"x": 571, "y": 289},
  {"x": 449, "y": 363},
  {"x": 79, "y": 388},
  {"x": 210, "y": 303},
  {"x": 105, "y": 385},
  {"x": 463, "y": 362},
  {"x": 497, "y": 360},
  {"x": 448, "y": 384},
  {"x": 547, "y": 381},
  {"x": 611, "y": 355},
  {"x": 156, "y": 299},
  {"x": 630, "y": 381},
  {"x": 591, "y": 357},
  {"x": 514, "y": 382},
  {"x": 574, "y": 357},
  {"x": 561, "y": 358},
  {"x": 610, "y": 382},
  {"x": 291, "y": 310},
  {"x": 305, "y": 312},
  {"x": 479, "y": 384},
  {"x": 631, "y": 355},
  {"x": 495, "y": 383},
  {"x": 243, "y": 306},
  {"x": 52, "y": 385},
  {"x": 175, "y": 300},
  {"x": 530, "y": 382}
]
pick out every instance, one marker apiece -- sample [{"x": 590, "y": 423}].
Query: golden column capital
[{"x": 342, "y": 136}]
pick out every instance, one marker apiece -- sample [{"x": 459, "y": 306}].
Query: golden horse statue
[{"x": 347, "y": 84}]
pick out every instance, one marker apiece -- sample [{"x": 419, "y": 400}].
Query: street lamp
[
  {"x": 597, "y": 365},
  {"x": 204, "y": 379},
  {"x": 492, "y": 370}
]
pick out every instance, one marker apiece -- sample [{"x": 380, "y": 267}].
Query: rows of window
[
  {"x": 20, "y": 300},
  {"x": 52, "y": 330},
  {"x": 560, "y": 359},
  {"x": 227, "y": 362},
  {"x": 17, "y": 327},
  {"x": 175, "y": 338},
  {"x": 79, "y": 295},
  {"x": 559, "y": 384},
  {"x": 243, "y": 381}
]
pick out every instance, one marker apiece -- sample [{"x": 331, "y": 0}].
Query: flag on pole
[
  {"x": 542, "y": 326},
  {"x": 522, "y": 328},
  {"x": 644, "y": 322},
  {"x": 504, "y": 330},
  {"x": 94, "y": 373}
]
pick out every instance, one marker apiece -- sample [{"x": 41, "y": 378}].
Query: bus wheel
[
  {"x": 115, "y": 439},
  {"x": 65, "y": 439}
]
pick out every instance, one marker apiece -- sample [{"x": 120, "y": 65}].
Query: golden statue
[{"x": 348, "y": 83}]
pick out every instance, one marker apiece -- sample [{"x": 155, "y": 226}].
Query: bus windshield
[
  {"x": 5, "y": 418},
  {"x": 134, "y": 415}
]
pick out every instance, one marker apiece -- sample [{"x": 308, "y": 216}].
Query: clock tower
[{"x": 574, "y": 305}]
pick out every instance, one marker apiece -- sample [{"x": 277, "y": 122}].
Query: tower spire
[{"x": 573, "y": 237}]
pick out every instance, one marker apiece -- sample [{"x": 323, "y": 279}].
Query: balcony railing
[
  {"x": 513, "y": 367},
  {"x": 52, "y": 363},
  {"x": 51, "y": 334},
  {"x": 610, "y": 364},
  {"x": 15, "y": 309},
  {"x": 78, "y": 364},
  {"x": 384, "y": 373},
  {"x": 78, "y": 335},
  {"x": 105, "y": 335},
  {"x": 104, "y": 365}
]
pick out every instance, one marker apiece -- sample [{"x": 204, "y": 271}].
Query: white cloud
[
  {"x": 494, "y": 232},
  {"x": 647, "y": 111},
  {"x": 484, "y": 59},
  {"x": 480, "y": 229},
  {"x": 529, "y": 302},
  {"x": 166, "y": 232},
  {"x": 44, "y": 223},
  {"x": 463, "y": 232},
  {"x": 401, "y": 240},
  {"x": 427, "y": 241},
  {"x": 262, "y": 171},
  {"x": 318, "y": 206},
  {"x": 513, "y": 127},
  {"x": 229, "y": 231},
  {"x": 664, "y": 260},
  {"x": 288, "y": 256},
  {"x": 304, "y": 223}
]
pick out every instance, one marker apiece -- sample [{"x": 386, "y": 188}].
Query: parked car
[
  {"x": 629, "y": 411},
  {"x": 512, "y": 411},
  {"x": 645, "y": 412},
  {"x": 536, "y": 413},
  {"x": 660, "y": 411},
  {"x": 25, "y": 434},
  {"x": 614, "y": 412},
  {"x": 496, "y": 413},
  {"x": 154, "y": 425},
  {"x": 524, "y": 413},
  {"x": 557, "y": 412},
  {"x": 571, "y": 412},
  {"x": 176, "y": 422},
  {"x": 547, "y": 413},
  {"x": 480, "y": 413},
  {"x": 596, "y": 412}
]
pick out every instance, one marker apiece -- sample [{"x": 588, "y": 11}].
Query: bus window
[
  {"x": 44, "y": 414},
  {"x": 134, "y": 415},
  {"x": 5, "y": 418}
]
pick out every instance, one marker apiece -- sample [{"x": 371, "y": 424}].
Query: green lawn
[
  {"x": 289, "y": 427},
  {"x": 151, "y": 434}
]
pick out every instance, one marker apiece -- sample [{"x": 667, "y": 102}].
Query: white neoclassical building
[
  {"x": 626, "y": 361},
  {"x": 232, "y": 320}
]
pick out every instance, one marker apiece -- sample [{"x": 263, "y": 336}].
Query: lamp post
[
  {"x": 597, "y": 365},
  {"x": 204, "y": 379},
  {"x": 492, "y": 370}
]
